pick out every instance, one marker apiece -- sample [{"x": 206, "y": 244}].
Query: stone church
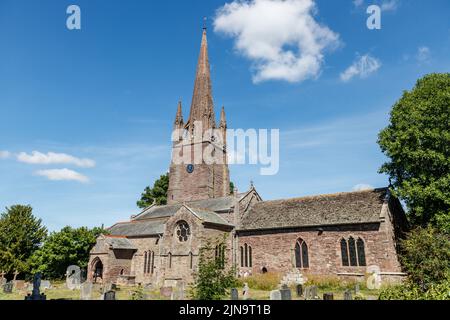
[{"x": 345, "y": 235}]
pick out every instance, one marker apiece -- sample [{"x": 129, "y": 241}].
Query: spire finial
[{"x": 204, "y": 22}]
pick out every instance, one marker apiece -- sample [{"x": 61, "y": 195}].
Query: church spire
[
  {"x": 202, "y": 107},
  {"x": 179, "y": 118},
  {"x": 223, "y": 119}
]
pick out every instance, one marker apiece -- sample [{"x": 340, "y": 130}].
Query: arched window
[
  {"x": 220, "y": 255},
  {"x": 145, "y": 262},
  {"x": 344, "y": 253},
  {"x": 353, "y": 252},
  {"x": 361, "y": 252},
  {"x": 246, "y": 256},
  {"x": 301, "y": 254},
  {"x": 183, "y": 231}
]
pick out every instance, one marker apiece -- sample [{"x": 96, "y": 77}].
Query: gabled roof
[
  {"x": 138, "y": 228},
  {"x": 214, "y": 204},
  {"x": 119, "y": 243},
  {"x": 323, "y": 210},
  {"x": 208, "y": 216}
]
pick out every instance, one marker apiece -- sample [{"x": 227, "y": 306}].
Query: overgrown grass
[
  {"x": 264, "y": 282},
  {"x": 333, "y": 283}
]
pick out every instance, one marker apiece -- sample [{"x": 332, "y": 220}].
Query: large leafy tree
[
  {"x": 156, "y": 195},
  {"x": 20, "y": 236},
  {"x": 417, "y": 143},
  {"x": 64, "y": 248}
]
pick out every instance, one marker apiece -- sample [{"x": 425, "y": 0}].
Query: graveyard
[{"x": 75, "y": 288}]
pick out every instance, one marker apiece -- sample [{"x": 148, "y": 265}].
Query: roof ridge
[{"x": 326, "y": 195}]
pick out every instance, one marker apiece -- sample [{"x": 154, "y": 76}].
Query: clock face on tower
[{"x": 190, "y": 168}]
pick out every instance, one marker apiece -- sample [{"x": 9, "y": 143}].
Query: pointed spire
[
  {"x": 223, "y": 119},
  {"x": 202, "y": 107},
  {"x": 179, "y": 118}
]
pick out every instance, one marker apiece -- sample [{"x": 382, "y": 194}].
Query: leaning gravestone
[
  {"x": 234, "y": 294},
  {"x": 285, "y": 293},
  {"x": 275, "y": 295},
  {"x": 8, "y": 287},
  {"x": 110, "y": 295},
  {"x": 348, "y": 295},
  {"x": 86, "y": 291},
  {"x": 73, "y": 277}
]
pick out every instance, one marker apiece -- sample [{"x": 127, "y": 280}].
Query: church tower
[{"x": 195, "y": 179}]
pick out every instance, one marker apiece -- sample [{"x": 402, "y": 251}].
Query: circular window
[{"x": 183, "y": 231}]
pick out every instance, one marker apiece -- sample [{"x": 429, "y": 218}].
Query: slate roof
[
  {"x": 138, "y": 228},
  {"x": 209, "y": 216},
  {"x": 323, "y": 210},
  {"x": 216, "y": 205},
  {"x": 120, "y": 243}
]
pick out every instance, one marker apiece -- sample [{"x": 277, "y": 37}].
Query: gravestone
[
  {"x": 73, "y": 277},
  {"x": 36, "y": 294},
  {"x": 357, "y": 289},
  {"x": 246, "y": 292},
  {"x": 46, "y": 285},
  {"x": 178, "y": 292},
  {"x": 234, "y": 294},
  {"x": 8, "y": 287},
  {"x": 275, "y": 295},
  {"x": 328, "y": 296},
  {"x": 307, "y": 293},
  {"x": 110, "y": 295},
  {"x": 3, "y": 280},
  {"x": 285, "y": 293},
  {"x": 314, "y": 292},
  {"x": 299, "y": 290},
  {"x": 19, "y": 284},
  {"x": 86, "y": 291},
  {"x": 166, "y": 292},
  {"x": 348, "y": 295}
]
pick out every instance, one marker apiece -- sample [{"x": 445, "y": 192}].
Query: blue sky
[{"x": 108, "y": 93}]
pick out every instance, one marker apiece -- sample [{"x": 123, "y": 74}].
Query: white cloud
[
  {"x": 362, "y": 67},
  {"x": 62, "y": 175},
  {"x": 389, "y": 5},
  {"x": 37, "y": 157},
  {"x": 4, "y": 154},
  {"x": 423, "y": 54},
  {"x": 363, "y": 187},
  {"x": 280, "y": 37},
  {"x": 358, "y": 3}
]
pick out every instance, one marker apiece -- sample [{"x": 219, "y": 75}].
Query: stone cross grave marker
[
  {"x": 275, "y": 295},
  {"x": 348, "y": 295},
  {"x": 234, "y": 294},
  {"x": 36, "y": 294},
  {"x": 285, "y": 293}
]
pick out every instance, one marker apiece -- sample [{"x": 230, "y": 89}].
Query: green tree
[
  {"x": 417, "y": 143},
  {"x": 64, "y": 248},
  {"x": 156, "y": 195},
  {"x": 231, "y": 188},
  {"x": 20, "y": 236},
  {"x": 212, "y": 279}
]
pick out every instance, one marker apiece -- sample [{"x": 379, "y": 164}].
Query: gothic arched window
[
  {"x": 353, "y": 252},
  {"x": 301, "y": 254},
  {"x": 246, "y": 256},
  {"x": 183, "y": 231}
]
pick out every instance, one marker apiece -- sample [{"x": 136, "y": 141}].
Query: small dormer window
[{"x": 183, "y": 231}]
